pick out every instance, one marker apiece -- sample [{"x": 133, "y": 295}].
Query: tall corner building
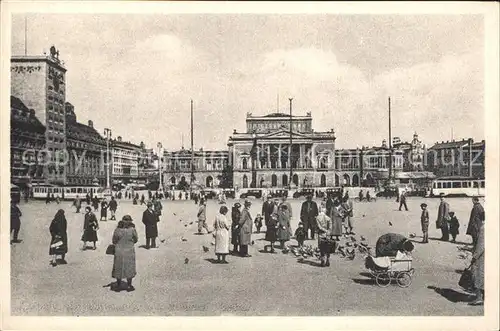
[{"x": 40, "y": 83}]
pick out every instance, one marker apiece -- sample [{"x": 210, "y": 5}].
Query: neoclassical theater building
[{"x": 265, "y": 156}]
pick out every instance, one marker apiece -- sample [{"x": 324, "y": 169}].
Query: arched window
[
  {"x": 296, "y": 180},
  {"x": 274, "y": 180},
  {"x": 245, "y": 181},
  {"x": 245, "y": 164},
  {"x": 323, "y": 180},
  {"x": 355, "y": 180},
  {"x": 209, "y": 181},
  {"x": 284, "y": 180},
  {"x": 347, "y": 180}
]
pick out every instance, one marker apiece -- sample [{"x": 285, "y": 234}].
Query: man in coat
[
  {"x": 475, "y": 220},
  {"x": 308, "y": 213},
  {"x": 157, "y": 207},
  {"x": 402, "y": 200},
  {"x": 150, "y": 221},
  {"x": 78, "y": 204},
  {"x": 113, "y": 205},
  {"x": 443, "y": 218},
  {"x": 245, "y": 227},
  {"x": 202, "y": 217},
  {"x": 267, "y": 209},
  {"x": 288, "y": 206},
  {"x": 15, "y": 221}
]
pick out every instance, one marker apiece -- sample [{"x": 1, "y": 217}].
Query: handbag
[
  {"x": 110, "y": 250},
  {"x": 466, "y": 279}
]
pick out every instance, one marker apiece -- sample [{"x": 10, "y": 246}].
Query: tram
[
  {"x": 454, "y": 186},
  {"x": 67, "y": 192}
]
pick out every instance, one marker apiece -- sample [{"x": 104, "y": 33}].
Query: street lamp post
[
  {"x": 107, "y": 133},
  {"x": 290, "y": 151},
  {"x": 160, "y": 165}
]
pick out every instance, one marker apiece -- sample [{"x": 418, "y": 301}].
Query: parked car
[
  {"x": 335, "y": 192},
  {"x": 278, "y": 193},
  {"x": 252, "y": 193},
  {"x": 230, "y": 194},
  {"x": 388, "y": 192},
  {"x": 303, "y": 192},
  {"x": 209, "y": 194}
]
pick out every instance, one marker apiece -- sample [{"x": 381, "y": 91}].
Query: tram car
[
  {"x": 458, "y": 187},
  {"x": 67, "y": 192}
]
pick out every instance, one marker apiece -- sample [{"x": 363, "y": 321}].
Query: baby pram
[{"x": 388, "y": 268}]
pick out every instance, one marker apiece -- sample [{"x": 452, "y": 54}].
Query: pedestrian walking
[
  {"x": 221, "y": 228},
  {"x": 424, "y": 221},
  {"x": 104, "y": 210},
  {"x": 443, "y": 218},
  {"x": 157, "y": 207},
  {"x": 47, "y": 198},
  {"x": 90, "y": 227},
  {"x": 337, "y": 217},
  {"x": 267, "y": 209},
  {"x": 477, "y": 267},
  {"x": 95, "y": 203},
  {"x": 284, "y": 229},
  {"x": 258, "y": 222},
  {"x": 271, "y": 231},
  {"x": 235, "y": 227},
  {"x": 245, "y": 229},
  {"x": 402, "y": 200},
  {"x": 59, "y": 238},
  {"x": 87, "y": 199},
  {"x": 143, "y": 201},
  {"x": 348, "y": 212},
  {"x": 202, "y": 217},
  {"x": 454, "y": 227},
  {"x": 113, "y": 206},
  {"x": 368, "y": 196},
  {"x": 325, "y": 243},
  {"x": 124, "y": 264},
  {"x": 15, "y": 221},
  {"x": 477, "y": 217},
  {"x": 360, "y": 195},
  {"x": 195, "y": 198},
  {"x": 150, "y": 221},
  {"x": 77, "y": 204},
  {"x": 308, "y": 213}
]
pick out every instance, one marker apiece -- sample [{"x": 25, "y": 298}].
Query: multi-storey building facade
[
  {"x": 27, "y": 143},
  {"x": 39, "y": 81},
  {"x": 208, "y": 168},
  {"x": 264, "y": 157},
  {"x": 464, "y": 158},
  {"x": 86, "y": 152},
  {"x": 125, "y": 161},
  {"x": 414, "y": 153}
]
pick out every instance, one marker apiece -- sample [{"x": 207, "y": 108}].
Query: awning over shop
[{"x": 415, "y": 175}]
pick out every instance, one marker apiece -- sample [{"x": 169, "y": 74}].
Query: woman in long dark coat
[
  {"x": 104, "y": 210},
  {"x": 59, "y": 237},
  {"x": 283, "y": 225},
  {"x": 124, "y": 266},
  {"x": 245, "y": 229},
  {"x": 271, "y": 227},
  {"x": 337, "y": 217},
  {"x": 90, "y": 227},
  {"x": 235, "y": 218}
]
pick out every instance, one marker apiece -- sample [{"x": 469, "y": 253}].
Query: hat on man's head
[
  {"x": 247, "y": 202},
  {"x": 423, "y": 205},
  {"x": 475, "y": 199},
  {"x": 237, "y": 205},
  {"x": 451, "y": 213},
  {"x": 127, "y": 218},
  {"x": 441, "y": 194},
  {"x": 149, "y": 204}
]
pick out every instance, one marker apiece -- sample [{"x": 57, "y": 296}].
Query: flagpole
[
  {"x": 192, "y": 149},
  {"x": 25, "y": 35}
]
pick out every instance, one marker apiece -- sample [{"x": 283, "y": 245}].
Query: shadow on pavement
[
  {"x": 311, "y": 263},
  {"x": 264, "y": 251},
  {"x": 364, "y": 281},
  {"x": 456, "y": 242},
  {"x": 212, "y": 260},
  {"x": 452, "y": 295}
]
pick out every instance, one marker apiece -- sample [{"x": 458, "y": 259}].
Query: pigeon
[
  {"x": 286, "y": 250},
  {"x": 162, "y": 240},
  {"x": 363, "y": 215},
  {"x": 180, "y": 220},
  {"x": 348, "y": 244},
  {"x": 205, "y": 249},
  {"x": 341, "y": 250},
  {"x": 462, "y": 256},
  {"x": 364, "y": 244},
  {"x": 253, "y": 242},
  {"x": 185, "y": 225},
  {"x": 190, "y": 223},
  {"x": 212, "y": 243},
  {"x": 175, "y": 214},
  {"x": 184, "y": 239},
  {"x": 186, "y": 260},
  {"x": 390, "y": 224},
  {"x": 412, "y": 235},
  {"x": 362, "y": 238},
  {"x": 353, "y": 239},
  {"x": 304, "y": 255}
]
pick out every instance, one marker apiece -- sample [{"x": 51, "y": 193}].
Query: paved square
[{"x": 265, "y": 284}]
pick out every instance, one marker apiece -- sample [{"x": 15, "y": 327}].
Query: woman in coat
[
  {"x": 271, "y": 228},
  {"x": 337, "y": 217},
  {"x": 283, "y": 225},
  {"x": 59, "y": 237},
  {"x": 124, "y": 239},
  {"x": 235, "y": 227},
  {"x": 90, "y": 227},
  {"x": 477, "y": 267},
  {"x": 221, "y": 228},
  {"x": 325, "y": 244},
  {"x": 104, "y": 210},
  {"x": 245, "y": 227}
]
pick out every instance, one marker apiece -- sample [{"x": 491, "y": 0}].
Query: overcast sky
[{"x": 136, "y": 74}]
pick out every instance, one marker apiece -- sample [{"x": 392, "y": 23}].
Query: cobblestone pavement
[{"x": 265, "y": 284}]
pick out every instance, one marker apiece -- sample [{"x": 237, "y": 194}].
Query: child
[
  {"x": 454, "y": 225},
  {"x": 424, "y": 220},
  {"x": 300, "y": 234},
  {"x": 258, "y": 222}
]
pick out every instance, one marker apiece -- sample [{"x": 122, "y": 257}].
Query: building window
[{"x": 245, "y": 163}]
